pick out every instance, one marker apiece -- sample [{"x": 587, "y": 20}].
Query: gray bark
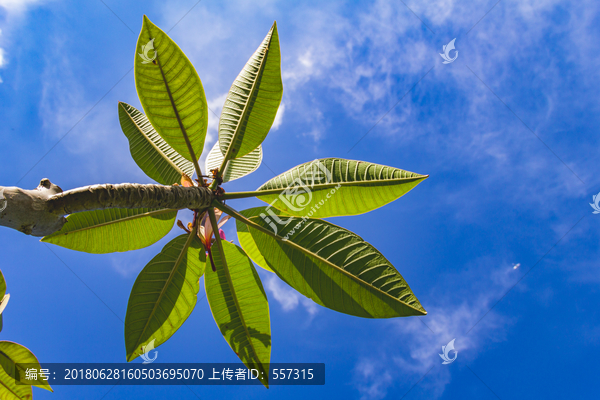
[{"x": 41, "y": 211}]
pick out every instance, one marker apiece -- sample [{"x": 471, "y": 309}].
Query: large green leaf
[
  {"x": 333, "y": 266},
  {"x": 13, "y": 353},
  {"x": 151, "y": 153},
  {"x": 239, "y": 305},
  {"x": 333, "y": 187},
  {"x": 235, "y": 168},
  {"x": 164, "y": 294},
  {"x": 113, "y": 229},
  {"x": 253, "y": 100},
  {"x": 170, "y": 92},
  {"x": 9, "y": 389},
  {"x": 247, "y": 241}
]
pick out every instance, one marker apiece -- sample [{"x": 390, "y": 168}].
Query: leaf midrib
[{"x": 266, "y": 192}]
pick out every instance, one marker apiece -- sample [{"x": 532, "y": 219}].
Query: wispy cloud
[
  {"x": 372, "y": 379},
  {"x": 288, "y": 298},
  {"x": 19, "y": 6},
  {"x": 447, "y": 319},
  {"x": 13, "y": 17}
]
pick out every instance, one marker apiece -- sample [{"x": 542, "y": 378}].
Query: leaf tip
[{"x": 146, "y": 22}]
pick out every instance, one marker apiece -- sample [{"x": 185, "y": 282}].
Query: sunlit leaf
[
  {"x": 235, "y": 169},
  {"x": 18, "y": 354},
  {"x": 150, "y": 152},
  {"x": 164, "y": 294},
  {"x": 333, "y": 266},
  {"x": 247, "y": 241},
  {"x": 113, "y": 230},
  {"x": 171, "y": 92},
  {"x": 253, "y": 100},
  {"x": 239, "y": 305},
  {"x": 335, "y": 187}
]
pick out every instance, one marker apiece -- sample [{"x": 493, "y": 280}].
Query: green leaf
[
  {"x": 164, "y": 294},
  {"x": 247, "y": 241},
  {"x": 253, "y": 100},
  {"x": 2, "y": 285},
  {"x": 235, "y": 168},
  {"x": 150, "y": 152},
  {"x": 332, "y": 187},
  {"x": 171, "y": 92},
  {"x": 239, "y": 305},
  {"x": 18, "y": 354},
  {"x": 9, "y": 389},
  {"x": 333, "y": 266},
  {"x": 114, "y": 229}
]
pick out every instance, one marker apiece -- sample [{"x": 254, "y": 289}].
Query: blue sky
[{"x": 508, "y": 134}]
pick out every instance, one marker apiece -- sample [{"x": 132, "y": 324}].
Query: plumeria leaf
[
  {"x": 234, "y": 169},
  {"x": 251, "y": 105},
  {"x": 171, "y": 93},
  {"x": 331, "y": 265},
  {"x": 240, "y": 308},
  {"x": 128, "y": 229},
  {"x": 12, "y": 354},
  {"x": 333, "y": 187},
  {"x": 150, "y": 152},
  {"x": 164, "y": 294}
]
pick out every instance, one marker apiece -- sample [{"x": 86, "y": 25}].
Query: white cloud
[
  {"x": 215, "y": 106},
  {"x": 288, "y": 298},
  {"x": 278, "y": 117},
  {"x": 14, "y": 13},
  {"x": 372, "y": 380},
  {"x": 445, "y": 321},
  {"x": 19, "y": 6}
]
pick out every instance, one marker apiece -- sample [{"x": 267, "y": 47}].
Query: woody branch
[{"x": 42, "y": 211}]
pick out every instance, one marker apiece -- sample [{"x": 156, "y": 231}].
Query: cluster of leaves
[
  {"x": 14, "y": 383},
  {"x": 329, "y": 264}
]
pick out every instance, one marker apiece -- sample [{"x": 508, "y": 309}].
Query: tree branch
[{"x": 41, "y": 211}]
